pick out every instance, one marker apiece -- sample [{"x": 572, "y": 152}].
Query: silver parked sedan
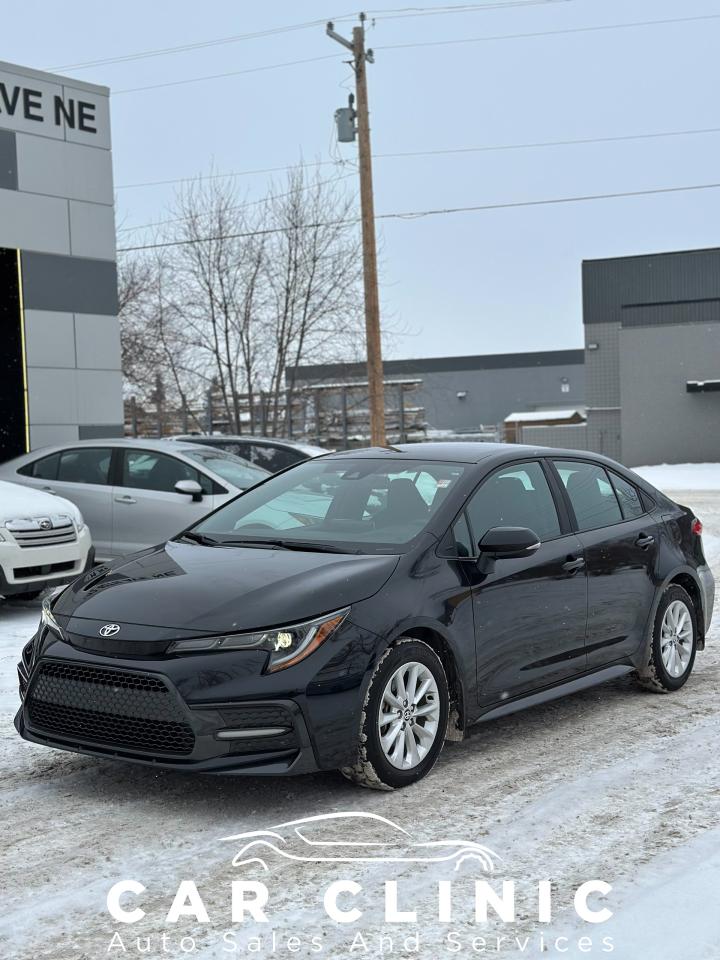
[{"x": 135, "y": 493}]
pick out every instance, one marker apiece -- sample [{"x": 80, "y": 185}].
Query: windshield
[
  {"x": 363, "y": 504},
  {"x": 241, "y": 473}
]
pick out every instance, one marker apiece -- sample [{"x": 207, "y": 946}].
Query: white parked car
[{"x": 44, "y": 541}]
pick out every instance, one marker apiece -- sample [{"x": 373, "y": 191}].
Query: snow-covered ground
[{"x": 615, "y": 784}]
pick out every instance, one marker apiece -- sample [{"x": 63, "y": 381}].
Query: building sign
[
  {"x": 56, "y": 107},
  {"x": 32, "y": 104}
]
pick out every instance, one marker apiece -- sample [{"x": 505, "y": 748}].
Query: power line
[
  {"x": 443, "y": 211},
  {"x": 391, "y": 14},
  {"x": 547, "y": 33},
  {"x": 488, "y": 148},
  {"x": 230, "y": 73},
  {"x": 423, "y": 43}
]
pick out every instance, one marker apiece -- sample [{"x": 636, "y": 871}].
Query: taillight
[{"x": 696, "y": 527}]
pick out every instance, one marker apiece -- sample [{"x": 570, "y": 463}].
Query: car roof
[
  {"x": 248, "y": 438},
  {"x": 454, "y": 451}
]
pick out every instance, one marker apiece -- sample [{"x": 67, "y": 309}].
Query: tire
[
  {"x": 676, "y": 616},
  {"x": 23, "y": 597},
  {"x": 395, "y": 765}
]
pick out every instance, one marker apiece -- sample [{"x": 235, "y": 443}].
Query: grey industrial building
[
  {"x": 649, "y": 376},
  {"x": 464, "y": 393},
  {"x": 652, "y": 360},
  {"x": 60, "y": 376}
]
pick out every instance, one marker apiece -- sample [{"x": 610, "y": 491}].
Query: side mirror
[
  {"x": 501, "y": 543},
  {"x": 190, "y": 488}
]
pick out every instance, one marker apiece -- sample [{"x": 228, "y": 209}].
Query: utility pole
[{"x": 361, "y": 57}]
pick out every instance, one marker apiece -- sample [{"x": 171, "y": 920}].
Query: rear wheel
[
  {"x": 404, "y": 718},
  {"x": 671, "y": 648}
]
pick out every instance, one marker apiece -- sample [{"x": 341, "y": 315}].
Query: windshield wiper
[
  {"x": 305, "y": 545},
  {"x": 198, "y": 538}
]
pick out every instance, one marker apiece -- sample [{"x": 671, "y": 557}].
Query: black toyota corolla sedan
[{"x": 356, "y": 610}]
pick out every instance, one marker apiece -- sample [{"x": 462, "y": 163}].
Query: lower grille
[
  {"x": 251, "y": 717},
  {"x": 123, "y": 710}
]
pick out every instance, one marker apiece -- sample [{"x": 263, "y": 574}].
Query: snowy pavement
[{"x": 614, "y": 783}]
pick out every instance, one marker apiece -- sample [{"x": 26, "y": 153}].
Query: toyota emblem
[
  {"x": 45, "y": 524},
  {"x": 109, "y": 630}
]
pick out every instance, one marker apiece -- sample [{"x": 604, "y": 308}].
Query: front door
[
  {"x": 146, "y": 507},
  {"x": 621, "y": 543},
  {"x": 82, "y": 475},
  {"x": 530, "y": 613}
]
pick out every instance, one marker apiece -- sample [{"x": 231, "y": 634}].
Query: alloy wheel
[
  {"x": 409, "y": 715},
  {"x": 676, "y": 638}
]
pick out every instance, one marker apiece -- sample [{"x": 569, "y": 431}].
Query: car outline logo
[
  {"x": 109, "y": 630},
  {"x": 277, "y": 840},
  {"x": 45, "y": 524}
]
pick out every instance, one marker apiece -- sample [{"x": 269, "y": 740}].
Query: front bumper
[
  {"x": 162, "y": 712},
  {"x": 24, "y": 570}
]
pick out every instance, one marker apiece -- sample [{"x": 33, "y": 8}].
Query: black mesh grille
[
  {"x": 256, "y": 716},
  {"x": 130, "y": 711}
]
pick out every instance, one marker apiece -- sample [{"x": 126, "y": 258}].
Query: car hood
[
  {"x": 188, "y": 588},
  {"x": 17, "y": 501}
]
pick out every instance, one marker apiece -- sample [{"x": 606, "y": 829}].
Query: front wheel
[
  {"x": 671, "y": 649},
  {"x": 404, "y": 718}
]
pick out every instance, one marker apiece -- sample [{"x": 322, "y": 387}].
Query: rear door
[
  {"x": 620, "y": 540},
  {"x": 81, "y": 475},
  {"x": 146, "y": 507},
  {"x": 530, "y": 613}
]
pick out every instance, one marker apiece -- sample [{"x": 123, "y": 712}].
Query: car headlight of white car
[
  {"x": 79, "y": 522},
  {"x": 287, "y": 645}
]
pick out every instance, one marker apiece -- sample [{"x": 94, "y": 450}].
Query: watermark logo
[{"x": 353, "y": 837}]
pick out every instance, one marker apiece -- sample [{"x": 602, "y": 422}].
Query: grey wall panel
[
  {"x": 70, "y": 284},
  {"x": 61, "y": 169},
  {"x": 31, "y": 222},
  {"x": 99, "y": 396},
  {"x": 8, "y": 160},
  {"x": 49, "y": 339},
  {"x": 602, "y": 365},
  {"x": 97, "y": 340},
  {"x": 53, "y": 396},
  {"x": 656, "y": 315},
  {"x": 572, "y": 436},
  {"x": 661, "y": 422},
  {"x": 610, "y": 285},
  {"x": 604, "y": 433},
  {"x": 45, "y": 435},
  {"x": 92, "y": 230},
  {"x": 99, "y": 431},
  {"x": 100, "y": 121}
]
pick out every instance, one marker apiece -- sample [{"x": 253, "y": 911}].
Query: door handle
[
  {"x": 645, "y": 540},
  {"x": 125, "y": 500},
  {"x": 574, "y": 563},
  {"x": 48, "y": 490}
]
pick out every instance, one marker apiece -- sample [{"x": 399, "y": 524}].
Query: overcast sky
[{"x": 476, "y": 282}]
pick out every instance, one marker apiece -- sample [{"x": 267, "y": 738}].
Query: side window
[
  {"x": 45, "y": 469},
  {"x": 591, "y": 495},
  {"x": 514, "y": 496},
  {"x": 148, "y": 470},
  {"x": 85, "y": 465},
  {"x": 464, "y": 546},
  {"x": 630, "y": 502},
  {"x": 272, "y": 458},
  {"x": 237, "y": 447}
]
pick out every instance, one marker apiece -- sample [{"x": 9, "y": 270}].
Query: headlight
[
  {"x": 80, "y": 522},
  {"x": 287, "y": 645},
  {"x": 47, "y": 618}
]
